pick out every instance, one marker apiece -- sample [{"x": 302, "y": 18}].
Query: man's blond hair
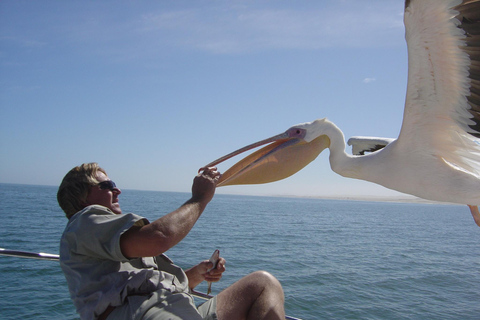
[{"x": 73, "y": 191}]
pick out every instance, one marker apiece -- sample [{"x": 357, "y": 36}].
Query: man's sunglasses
[{"x": 107, "y": 184}]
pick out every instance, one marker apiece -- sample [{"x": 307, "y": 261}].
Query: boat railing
[{"x": 56, "y": 257}]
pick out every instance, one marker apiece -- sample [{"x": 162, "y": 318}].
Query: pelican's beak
[{"x": 283, "y": 157}]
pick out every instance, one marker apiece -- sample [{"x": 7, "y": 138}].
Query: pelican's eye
[{"x": 298, "y": 133}]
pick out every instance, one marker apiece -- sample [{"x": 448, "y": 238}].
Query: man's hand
[
  {"x": 204, "y": 185},
  {"x": 200, "y": 272}
]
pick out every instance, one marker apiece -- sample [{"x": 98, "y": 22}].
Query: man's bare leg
[{"x": 259, "y": 295}]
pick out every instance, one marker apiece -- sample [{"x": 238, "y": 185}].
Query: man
[{"x": 115, "y": 266}]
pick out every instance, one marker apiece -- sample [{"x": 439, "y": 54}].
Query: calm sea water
[{"x": 335, "y": 259}]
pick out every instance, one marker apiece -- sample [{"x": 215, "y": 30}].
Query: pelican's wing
[
  {"x": 360, "y": 145},
  {"x": 442, "y": 113}
]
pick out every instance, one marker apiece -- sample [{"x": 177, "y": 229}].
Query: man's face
[{"x": 105, "y": 197}]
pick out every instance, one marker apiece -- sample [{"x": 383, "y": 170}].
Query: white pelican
[{"x": 437, "y": 154}]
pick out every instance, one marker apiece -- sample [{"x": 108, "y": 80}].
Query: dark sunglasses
[{"x": 107, "y": 184}]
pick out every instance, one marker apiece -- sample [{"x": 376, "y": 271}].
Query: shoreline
[{"x": 363, "y": 198}]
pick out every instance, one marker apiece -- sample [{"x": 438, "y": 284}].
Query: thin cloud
[
  {"x": 237, "y": 30},
  {"x": 369, "y": 80},
  {"x": 228, "y": 27}
]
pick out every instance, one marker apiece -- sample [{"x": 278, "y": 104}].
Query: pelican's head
[{"x": 285, "y": 154}]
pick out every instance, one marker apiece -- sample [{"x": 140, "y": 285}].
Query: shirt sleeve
[{"x": 96, "y": 232}]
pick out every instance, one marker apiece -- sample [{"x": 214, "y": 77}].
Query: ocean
[{"x": 335, "y": 259}]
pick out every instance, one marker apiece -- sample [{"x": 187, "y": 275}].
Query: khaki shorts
[{"x": 163, "y": 305}]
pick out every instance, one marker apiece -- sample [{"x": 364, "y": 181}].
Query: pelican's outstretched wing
[
  {"x": 360, "y": 145},
  {"x": 442, "y": 107}
]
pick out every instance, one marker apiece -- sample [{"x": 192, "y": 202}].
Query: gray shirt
[{"x": 98, "y": 274}]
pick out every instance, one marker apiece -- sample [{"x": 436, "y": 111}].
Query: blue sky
[{"x": 153, "y": 90}]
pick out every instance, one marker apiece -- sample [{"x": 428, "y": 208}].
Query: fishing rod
[{"x": 56, "y": 257}]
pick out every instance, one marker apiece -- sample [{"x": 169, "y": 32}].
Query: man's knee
[{"x": 266, "y": 280}]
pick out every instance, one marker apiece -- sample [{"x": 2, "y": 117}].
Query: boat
[{"x": 56, "y": 257}]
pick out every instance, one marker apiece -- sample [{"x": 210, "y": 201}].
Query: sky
[{"x": 154, "y": 90}]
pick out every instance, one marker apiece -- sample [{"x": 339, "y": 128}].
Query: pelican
[{"x": 437, "y": 153}]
